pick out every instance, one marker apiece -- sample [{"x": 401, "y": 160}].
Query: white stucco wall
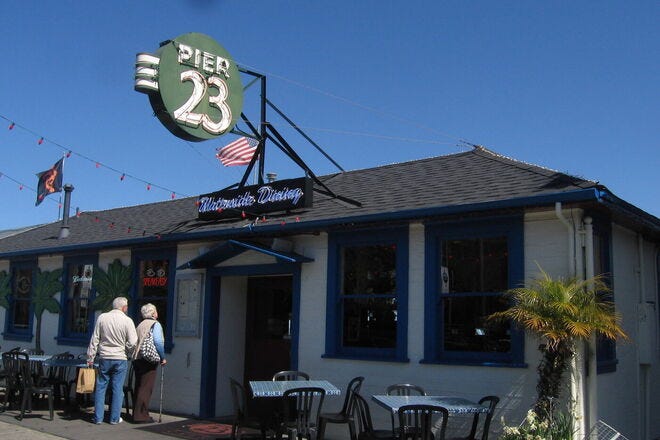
[{"x": 545, "y": 245}]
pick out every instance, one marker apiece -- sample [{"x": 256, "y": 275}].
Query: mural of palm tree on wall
[
  {"x": 5, "y": 290},
  {"x": 114, "y": 282},
  {"x": 47, "y": 284}
]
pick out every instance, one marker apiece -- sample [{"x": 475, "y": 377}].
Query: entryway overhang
[{"x": 232, "y": 248}]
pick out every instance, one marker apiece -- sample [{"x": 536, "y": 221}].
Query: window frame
[
  {"x": 11, "y": 333},
  {"x": 64, "y": 336},
  {"x": 337, "y": 240},
  {"x": 134, "y": 308},
  {"x": 510, "y": 227},
  {"x": 606, "y": 352}
]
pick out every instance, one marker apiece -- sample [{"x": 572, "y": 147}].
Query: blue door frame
[{"x": 208, "y": 383}]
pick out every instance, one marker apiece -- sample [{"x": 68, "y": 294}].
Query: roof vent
[{"x": 64, "y": 230}]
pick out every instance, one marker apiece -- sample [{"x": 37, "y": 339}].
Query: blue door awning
[{"x": 232, "y": 248}]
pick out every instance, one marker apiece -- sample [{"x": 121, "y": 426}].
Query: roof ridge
[{"x": 527, "y": 165}]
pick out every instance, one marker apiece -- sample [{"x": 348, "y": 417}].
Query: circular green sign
[{"x": 200, "y": 95}]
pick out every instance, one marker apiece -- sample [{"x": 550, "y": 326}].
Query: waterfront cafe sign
[
  {"x": 281, "y": 195},
  {"x": 193, "y": 85}
]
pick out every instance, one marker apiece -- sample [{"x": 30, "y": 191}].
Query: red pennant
[
  {"x": 40, "y": 141},
  {"x": 173, "y": 196},
  {"x": 123, "y": 176},
  {"x": 11, "y": 126},
  {"x": 68, "y": 154},
  {"x": 148, "y": 186}
]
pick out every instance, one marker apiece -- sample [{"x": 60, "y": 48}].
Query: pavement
[{"x": 75, "y": 424}]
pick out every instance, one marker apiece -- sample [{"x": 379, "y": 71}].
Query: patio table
[
  {"x": 270, "y": 388},
  {"x": 454, "y": 405}
]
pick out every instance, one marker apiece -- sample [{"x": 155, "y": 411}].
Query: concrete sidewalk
[{"x": 77, "y": 425}]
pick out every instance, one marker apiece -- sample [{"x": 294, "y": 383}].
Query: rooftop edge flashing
[{"x": 581, "y": 195}]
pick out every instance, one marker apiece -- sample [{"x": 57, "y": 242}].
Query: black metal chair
[
  {"x": 303, "y": 423},
  {"x": 345, "y": 415},
  {"x": 29, "y": 388},
  {"x": 242, "y": 419},
  {"x": 492, "y": 402},
  {"x": 365, "y": 426},
  {"x": 416, "y": 422},
  {"x": 290, "y": 375},
  {"x": 403, "y": 389},
  {"x": 129, "y": 390},
  {"x": 58, "y": 376},
  {"x": 11, "y": 368}
]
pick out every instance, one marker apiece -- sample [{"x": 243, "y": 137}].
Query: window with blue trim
[
  {"x": 367, "y": 294},
  {"x": 77, "y": 317},
  {"x": 18, "y": 321},
  {"x": 469, "y": 266},
  {"x": 154, "y": 283},
  {"x": 606, "y": 360}
]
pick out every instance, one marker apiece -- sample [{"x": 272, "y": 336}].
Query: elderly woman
[{"x": 145, "y": 371}]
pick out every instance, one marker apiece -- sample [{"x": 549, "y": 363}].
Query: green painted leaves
[{"x": 111, "y": 284}]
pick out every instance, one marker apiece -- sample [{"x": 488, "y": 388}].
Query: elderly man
[{"x": 113, "y": 340}]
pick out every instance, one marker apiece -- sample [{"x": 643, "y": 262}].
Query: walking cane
[{"x": 162, "y": 377}]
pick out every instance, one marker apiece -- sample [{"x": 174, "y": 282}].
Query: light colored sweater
[{"x": 114, "y": 337}]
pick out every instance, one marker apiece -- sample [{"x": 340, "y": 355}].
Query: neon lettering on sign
[
  {"x": 194, "y": 86},
  {"x": 154, "y": 281},
  {"x": 282, "y": 195}
]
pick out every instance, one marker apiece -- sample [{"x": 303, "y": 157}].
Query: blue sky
[{"x": 572, "y": 86}]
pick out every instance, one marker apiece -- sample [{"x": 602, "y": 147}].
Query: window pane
[
  {"x": 476, "y": 265},
  {"x": 370, "y": 322},
  {"x": 153, "y": 286},
  {"x": 369, "y": 270},
  {"x": 80, "y": 287},
  {"x": 22, "y": 291},
  {"x": 467, "y": 329}
]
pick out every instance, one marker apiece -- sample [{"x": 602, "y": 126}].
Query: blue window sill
[
  {"x": 70, "y": 340},
  {"x": 476, "y": 363},
  {"x": 23, "y": 337},
  {"x": 366, "y": 358}
]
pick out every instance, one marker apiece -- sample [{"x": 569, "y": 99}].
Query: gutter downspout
[
  {"x": 578, "y": 371},
  {"x": 591, "y": 391},
  {"x": 644, "y": 363}
]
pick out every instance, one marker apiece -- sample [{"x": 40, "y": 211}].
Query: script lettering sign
[{"x": 281, "y": 195}]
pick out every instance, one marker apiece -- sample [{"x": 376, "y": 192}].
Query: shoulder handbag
[{"x": 148, "y": 350}]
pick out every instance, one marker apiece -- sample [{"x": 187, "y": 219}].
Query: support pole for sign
[{"x": 262, "y": 131}]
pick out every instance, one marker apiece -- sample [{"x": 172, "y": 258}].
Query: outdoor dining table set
[
  {"x": 26, "y": 375},
  {"x": 414, "y": 415}
]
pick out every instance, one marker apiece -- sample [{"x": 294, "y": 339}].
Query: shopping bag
[{"x": 86, "y": 381}]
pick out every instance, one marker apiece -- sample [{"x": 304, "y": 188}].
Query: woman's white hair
[{"x": 148, "y": 310}]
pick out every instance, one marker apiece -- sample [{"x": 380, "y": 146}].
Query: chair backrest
[
  {"x": 238, "y": 398},
  {"x": 13, "y": 362},
  {"x": 130, "y": 378},
  {"x": 405, "y": 389},
  {"x": 492, "y": 402},
  {"x": 59, "y": 372},
  {"x": 32, "y": 351},
  {"x": 353, "y": 387},
  {"x": 291, "y": 375},
  {"x": 362, "y": 415},
  {"x": 305, "y": 419},
  {"x": 416, "y": 422}
]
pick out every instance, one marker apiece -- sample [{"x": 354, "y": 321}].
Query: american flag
[{"x": 239, "y": 152}]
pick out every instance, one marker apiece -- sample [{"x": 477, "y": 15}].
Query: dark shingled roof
[{"x": 462, "y": 182}]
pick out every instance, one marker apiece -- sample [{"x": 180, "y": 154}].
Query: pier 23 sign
[{"x": 193, "y": 85}]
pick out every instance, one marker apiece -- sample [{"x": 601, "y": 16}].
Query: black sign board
[{"x": 281, "y": 195}]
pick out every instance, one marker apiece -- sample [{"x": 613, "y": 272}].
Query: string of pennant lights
[
  {"x": 68, "y": 152},
  {"x": 252, "y": 220}
]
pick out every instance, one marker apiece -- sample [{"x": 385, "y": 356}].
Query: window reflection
[{"x": 368, "y": 295}]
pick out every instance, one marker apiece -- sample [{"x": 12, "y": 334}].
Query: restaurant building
[{"x": 395, "y": 287}]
